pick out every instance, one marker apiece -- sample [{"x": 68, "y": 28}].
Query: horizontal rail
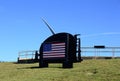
[
  {"x": 102, "y": 51},
  {"x": 26, "y": 54},
  {"x": 27, "y": 51},
  {"x": 100, "y": 48}
]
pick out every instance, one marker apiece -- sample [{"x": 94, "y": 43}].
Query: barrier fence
[
  {"x": 26, "y": 55},
  {"x": 93, "y": 52},
  {"x": 100, "y": 52}
]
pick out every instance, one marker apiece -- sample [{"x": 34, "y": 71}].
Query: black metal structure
[{"x": 60, "y": 48}]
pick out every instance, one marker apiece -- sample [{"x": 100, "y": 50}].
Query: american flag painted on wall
[{"x": 53, "y": 50}]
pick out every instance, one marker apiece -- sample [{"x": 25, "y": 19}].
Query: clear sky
[{"x": 21, "y": 27}]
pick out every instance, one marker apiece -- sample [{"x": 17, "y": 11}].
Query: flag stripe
[{"x": 54, "y": 56}]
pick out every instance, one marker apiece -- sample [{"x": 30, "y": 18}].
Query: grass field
[{"x": 88, "y": 70}]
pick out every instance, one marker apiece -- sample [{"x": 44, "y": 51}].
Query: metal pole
[
  {"x": 48, "y": 26},
  {"x": 79, "y": 50},
  {"x": 67, "y": 46}
]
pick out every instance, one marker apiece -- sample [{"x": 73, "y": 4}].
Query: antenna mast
[{"x": 48, "y": 26}]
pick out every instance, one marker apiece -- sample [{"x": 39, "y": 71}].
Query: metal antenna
[{"x": 48, "y": 26}]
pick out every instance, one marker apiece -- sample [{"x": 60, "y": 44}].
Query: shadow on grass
[
  {"x": 23, "y": 63},
  {"x": 37, "y": 67}
]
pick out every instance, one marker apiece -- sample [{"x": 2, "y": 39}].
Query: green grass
[{"x": 88, "y": 70}]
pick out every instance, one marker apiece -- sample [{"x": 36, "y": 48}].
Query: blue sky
[{"x": 21, "y": 27}]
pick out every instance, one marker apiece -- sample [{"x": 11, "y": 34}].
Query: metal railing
[
  {"x": 26, "y": 55},
  {"x": 112, "y": 52},
  {"x": 100, "y": 52}
]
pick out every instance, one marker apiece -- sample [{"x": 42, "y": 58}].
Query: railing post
[
  {"x": 18, "y": 55},
  {"x": 26, "y": 55},
  {"x": 113, "y": 53}
]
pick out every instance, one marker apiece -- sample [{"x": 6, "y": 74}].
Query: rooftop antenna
[{"x": 48, "y": 26}]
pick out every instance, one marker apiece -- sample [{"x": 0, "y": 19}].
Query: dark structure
[
  {"x": 100, "y": 46},
  {"x": 60, "y": 48}
]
